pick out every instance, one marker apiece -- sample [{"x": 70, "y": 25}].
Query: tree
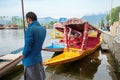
[
  {"x": 114, "y": 15},
  {"x": 102, "y": 22},
  {"x": 107, "y": 18},
  {"x": 52, "y": 22},
  {"x": 99, "y": 25},
  {"x": 14, "y": 20},
  {"x": 1, "y": 19}
]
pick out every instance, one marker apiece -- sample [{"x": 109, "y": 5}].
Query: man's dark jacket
[{"x": 34, "y": 38}]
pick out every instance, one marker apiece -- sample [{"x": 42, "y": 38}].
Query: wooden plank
[
  {"x": 3, "y": 63},
  {"x": 10, "y": 56},
  {"x": 53, "y": 50},
  {"x": 8, "y": 61}
]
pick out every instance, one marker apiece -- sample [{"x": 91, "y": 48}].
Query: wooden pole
[
  {"x": 54, "y": 41},
  {"x": 66, "y": 38},
  {"x": 85, "y": 37},
  {"x": 23, "y": 15}
]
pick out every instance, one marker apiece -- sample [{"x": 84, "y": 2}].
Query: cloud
[{"x": 56, "y": 8}]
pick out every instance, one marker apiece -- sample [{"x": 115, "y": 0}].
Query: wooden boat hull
[
  {"x": 69, "y": 57},
  {"x": 56, "y": 34},
  {"x": 53, "y": 50},
  {"x": 9, "y": 64}
]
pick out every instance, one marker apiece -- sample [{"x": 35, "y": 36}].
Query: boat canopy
[
  {"x": 78, "y": 24},
  {"x": 58, "y": 24}
]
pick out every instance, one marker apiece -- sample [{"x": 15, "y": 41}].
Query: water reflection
[
  {"x": 92, "y": 67},
  {"x": 10, "y": 40},
  {"x": 11, "y": 34},
  {"x": 81, "y": 69},
  {"x": 108, "y": 66}
]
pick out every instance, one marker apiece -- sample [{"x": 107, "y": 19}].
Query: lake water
[{"x": 98, "y": 66}]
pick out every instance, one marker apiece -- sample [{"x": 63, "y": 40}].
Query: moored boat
[
  {"x": 56, "y": 46},
  {"x": 7, "y": 62},
  {"x": 57, "y": 34},
  {"x": 88, "y": 38}
]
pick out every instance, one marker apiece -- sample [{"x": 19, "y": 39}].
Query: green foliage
[
  {"x": 114, "y": 15},
  {"x": 99, "y": 25},
  {"x": 102, "y": 21},
  {"x": 18, "y": 21},
  {"x": 14, "y": 20},
  {"x": 107, "y": 18},
  {"x": 51, "y": 23}
]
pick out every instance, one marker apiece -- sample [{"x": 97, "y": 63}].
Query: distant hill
[
  {"x": 46, "y": 20},
  {"x": 4, "y": 22},
  {"x": 94, "y": 19}
]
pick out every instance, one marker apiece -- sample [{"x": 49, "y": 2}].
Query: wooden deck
[{"x": 8, "y": 61}]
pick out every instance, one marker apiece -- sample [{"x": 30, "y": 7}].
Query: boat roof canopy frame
[{"x": 78, "y": 24}]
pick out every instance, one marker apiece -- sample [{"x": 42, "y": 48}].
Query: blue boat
[{"x": 55, "y": 47}]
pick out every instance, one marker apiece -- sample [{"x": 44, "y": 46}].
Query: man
[{"x": 34, "y": 38}]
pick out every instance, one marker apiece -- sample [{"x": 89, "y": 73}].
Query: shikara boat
[
  {"x": 88, "y": 40},
  {"x": 7, "y": 62},
  {"x": 57, "y": 34},
  {"x": 56, "y": 46}
]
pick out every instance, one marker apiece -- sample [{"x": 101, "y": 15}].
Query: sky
[{"x": 57, "y": 8}]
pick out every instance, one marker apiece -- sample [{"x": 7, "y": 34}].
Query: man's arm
[{"x": 28, "y": 42}]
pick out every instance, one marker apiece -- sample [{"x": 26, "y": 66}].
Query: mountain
[
  {"x": 46, "y": 20},
  {"x": 4, "y": 22},
  {"x": 94, "y": 19}
]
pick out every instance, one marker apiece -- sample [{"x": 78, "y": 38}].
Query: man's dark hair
[{"x": 32, "y": 16}]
